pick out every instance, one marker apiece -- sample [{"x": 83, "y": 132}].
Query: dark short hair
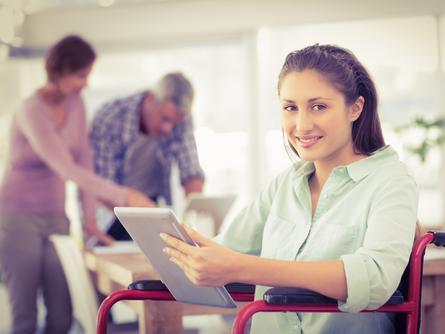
[
  {"x": 68, "y": 55},
  {"x": 349, "y": 76}
]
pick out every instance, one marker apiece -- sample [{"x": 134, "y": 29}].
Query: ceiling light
[
  {"x": 6, "y": 25},
  {"x": 105, "y": 3}
]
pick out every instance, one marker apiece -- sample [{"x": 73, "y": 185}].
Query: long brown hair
[{"x": 350, "y": 77}]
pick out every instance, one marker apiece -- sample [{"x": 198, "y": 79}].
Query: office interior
[{"x": 232, "y": 51}]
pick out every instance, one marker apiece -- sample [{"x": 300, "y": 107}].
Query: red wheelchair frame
[{"x": 295, "y": 300}]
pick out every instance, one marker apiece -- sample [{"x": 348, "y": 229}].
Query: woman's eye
[
  {"x": 318, "y": 107},
  {"x": 289, "y": 108}
]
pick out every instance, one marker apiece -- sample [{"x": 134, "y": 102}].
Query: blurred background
[{"x": 232, "y": 50}]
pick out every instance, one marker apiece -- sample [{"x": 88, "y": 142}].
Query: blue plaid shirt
[{"x": 116, "y": 126}]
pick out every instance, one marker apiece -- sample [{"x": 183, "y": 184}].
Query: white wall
[{"x": 172, "y": 22}]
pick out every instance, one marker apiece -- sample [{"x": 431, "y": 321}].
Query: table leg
[
  {"x": 428, "y": 299},
  {"x": 160, "y": 317},
  {"x": 439, "y": 305}
]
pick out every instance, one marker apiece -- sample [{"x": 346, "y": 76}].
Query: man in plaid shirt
[{"x": 136, "y": 140}]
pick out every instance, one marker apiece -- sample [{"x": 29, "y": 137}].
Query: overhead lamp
[
  {"x": 105, "y": 3},
  {"x": 6, "y": 25},
  {"x": 12, "y": 17}
]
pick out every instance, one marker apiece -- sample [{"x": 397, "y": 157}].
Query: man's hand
[
  {"x": 138, "y": 199},
  {"x": 194, "y": 186}
]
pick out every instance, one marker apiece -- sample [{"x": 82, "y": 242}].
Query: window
[
  {"x": 236, "y": 111},
  {"x": 218, "y": 74}
]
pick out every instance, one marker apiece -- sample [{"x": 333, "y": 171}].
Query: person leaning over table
[
  {"x": 340, "y": 222},
  {"x": 49, "y": 146},
  {"x": 137, "y": 138}
]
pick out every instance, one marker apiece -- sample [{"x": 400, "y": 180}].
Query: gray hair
[{"x": 175, "y": 87}]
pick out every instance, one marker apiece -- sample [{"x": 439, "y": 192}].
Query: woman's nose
[{"x": 304, "y": 122}]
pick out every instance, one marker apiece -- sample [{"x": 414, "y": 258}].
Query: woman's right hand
[{"x": 138, "y": 199}]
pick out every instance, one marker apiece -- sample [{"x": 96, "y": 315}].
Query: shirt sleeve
[
  {"x": 47, "y": 144},
  {"x": 107, "y": 146},
  {"x": 245, "y": 233},
  {"x": 186, "y": 153},
  {"x": 373, "y": 272}
]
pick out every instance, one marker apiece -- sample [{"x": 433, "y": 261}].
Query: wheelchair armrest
[
  {"x": 280, "y": 295},
  {"x": 240, "y": 288},
  {"x": 157, "y": 285},
  {"x": 287, "y": 296},
  {"x": 396, "y": 298},
  {"x": 148, "y": 285},
  {"x": 439, "y": 239}
]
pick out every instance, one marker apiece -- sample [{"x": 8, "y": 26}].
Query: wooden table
[{"x": 115, "y": 271}]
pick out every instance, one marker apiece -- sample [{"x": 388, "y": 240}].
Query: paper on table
[
  {"x": 434, "y": 253},
  {"x": 119, "y": 247}
]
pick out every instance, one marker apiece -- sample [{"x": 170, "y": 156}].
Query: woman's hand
[
  {"x": 92, "y": 230},
  {"x": 210, "y": 264},
  {"x": 138, "y": 199}
]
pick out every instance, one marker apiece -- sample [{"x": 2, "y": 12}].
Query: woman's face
[
  {"x": 315, "y": 118},
  {"x": 74, "y": 82}
]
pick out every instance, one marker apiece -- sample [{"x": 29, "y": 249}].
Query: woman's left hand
[
  {"x": 92, "y": 230},
  {"x": 210, "y": 264}
]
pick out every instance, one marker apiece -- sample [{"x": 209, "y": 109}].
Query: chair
[
  {"x": 406, "y": 300},
  {"x": 84, "y": 297},
  {"x": 83, "y": 294}
]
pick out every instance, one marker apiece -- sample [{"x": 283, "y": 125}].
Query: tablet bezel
[{"x": 144, "y": 225}]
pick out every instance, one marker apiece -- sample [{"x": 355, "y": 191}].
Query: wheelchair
[{"x": 405, "y": 301}]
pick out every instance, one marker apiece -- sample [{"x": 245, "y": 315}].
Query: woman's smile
[{"x": 308, "y": 141}]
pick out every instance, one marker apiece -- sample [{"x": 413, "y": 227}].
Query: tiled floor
[{"x": 212, "y": 324}]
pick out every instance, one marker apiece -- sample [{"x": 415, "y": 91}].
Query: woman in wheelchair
[{"x": 340, "y": 221}]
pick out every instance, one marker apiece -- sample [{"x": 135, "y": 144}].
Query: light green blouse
[{"x": 366, "y": 216}]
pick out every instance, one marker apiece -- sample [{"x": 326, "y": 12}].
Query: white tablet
[{"x": 144, "y": 225}]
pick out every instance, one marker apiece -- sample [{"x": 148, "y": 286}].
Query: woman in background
[
  {"x": 339, "y": 222},
  {"x": 49, "y": 146}
]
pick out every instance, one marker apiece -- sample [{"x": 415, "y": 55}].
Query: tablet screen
[{"x": 144, "y": 225}]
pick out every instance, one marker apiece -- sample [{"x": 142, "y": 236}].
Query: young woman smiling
[{"x": 340, "y": 222}]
